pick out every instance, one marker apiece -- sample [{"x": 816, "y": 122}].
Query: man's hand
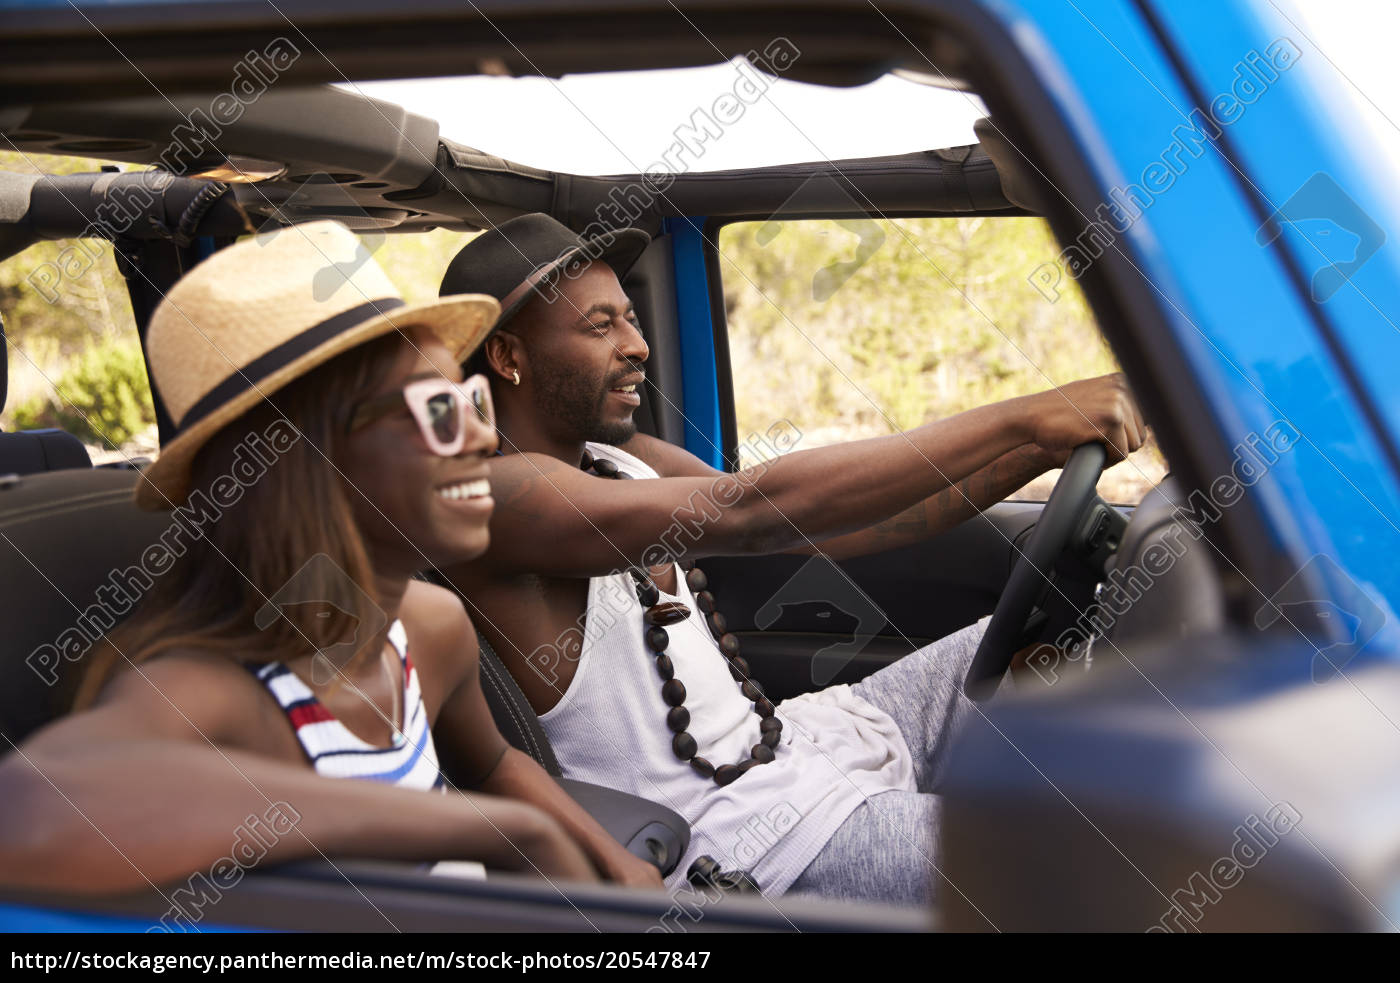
[{"x": 1092, "y": 410}]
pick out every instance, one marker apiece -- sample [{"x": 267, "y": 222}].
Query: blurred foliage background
[
  {"x": 861, "y": 328},
  {"x": 848, "y": 329}
]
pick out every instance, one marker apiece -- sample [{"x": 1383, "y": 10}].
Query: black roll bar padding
[
  {"x": 138, "y": 205},
  {"x": 150, "y": 268}
]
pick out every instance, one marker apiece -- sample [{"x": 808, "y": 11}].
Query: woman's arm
[
  {"x": 519, "y": 776},
  {"x": 145, "y": 789},
  {"x": 467, "y": 740}
]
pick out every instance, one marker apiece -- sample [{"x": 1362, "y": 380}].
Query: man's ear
[{"x": 504, "y": 354}]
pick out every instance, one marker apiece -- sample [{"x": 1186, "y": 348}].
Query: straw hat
[{"x": 264, "y": 312}]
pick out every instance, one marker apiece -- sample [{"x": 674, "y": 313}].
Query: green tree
[{"x": 103, "y": 397}]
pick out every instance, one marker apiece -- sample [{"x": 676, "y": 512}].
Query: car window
[
  {"x": 858, "y": 328},
  {"x": 75, "y": 359}
]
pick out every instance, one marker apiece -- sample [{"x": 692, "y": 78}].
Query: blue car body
[
  {"x": 1261, "y": 347},
  {"x": 1267, "y": 248}
]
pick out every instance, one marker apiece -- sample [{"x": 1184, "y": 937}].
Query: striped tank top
[{"x": 335, "y": 752}]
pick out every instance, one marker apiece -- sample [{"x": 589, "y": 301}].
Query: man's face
[{"x": 586, "y": 356}]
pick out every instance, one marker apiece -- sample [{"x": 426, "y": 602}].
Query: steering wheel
[{"x": 1071, "y": 495}]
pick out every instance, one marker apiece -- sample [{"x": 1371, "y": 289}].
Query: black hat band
[{"x": 282, "y": 355}]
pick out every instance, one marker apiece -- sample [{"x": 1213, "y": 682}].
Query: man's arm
[
  {"x": 135, "y": 792},
  {"x": 942, "y": 511},
  {"x": 466, "y": 736},
  {"x": 921, "y": 521},
  {"x": 554, "y": 520}
]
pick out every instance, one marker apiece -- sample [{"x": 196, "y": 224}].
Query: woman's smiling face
[{"x": 414, "y": 507}]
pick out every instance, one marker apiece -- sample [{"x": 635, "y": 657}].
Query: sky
[{"x": 622, "y": 122}]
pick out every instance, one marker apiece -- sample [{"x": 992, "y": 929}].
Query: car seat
[{"x": 65, "y": 534}]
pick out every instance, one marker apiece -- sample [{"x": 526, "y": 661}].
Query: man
[{"x": 838, "y": 781}]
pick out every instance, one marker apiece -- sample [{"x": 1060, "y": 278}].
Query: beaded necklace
[{"x": 658, "y": 616}]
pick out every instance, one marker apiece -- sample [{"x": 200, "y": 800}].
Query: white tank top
[{"x": 610, "y": 729}]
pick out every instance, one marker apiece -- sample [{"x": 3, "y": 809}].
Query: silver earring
[{"x": 515, "y": 374}]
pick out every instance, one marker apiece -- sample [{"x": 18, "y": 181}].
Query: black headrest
[
  {"x": 71, "y": 545},
  {"x": 33, "y": 451}
]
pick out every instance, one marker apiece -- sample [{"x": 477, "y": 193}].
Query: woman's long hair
[{"x": 298, "y": 510}]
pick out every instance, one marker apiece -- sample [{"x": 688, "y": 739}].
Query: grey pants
[{"x": 887, "y": 850}]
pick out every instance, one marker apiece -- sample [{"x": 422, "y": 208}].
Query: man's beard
[
  {"x": 619, "y": 432},
  {"x": 575, "y": 403}
]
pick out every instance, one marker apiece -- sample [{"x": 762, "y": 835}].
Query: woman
[{"x": 289, "y": 646}]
